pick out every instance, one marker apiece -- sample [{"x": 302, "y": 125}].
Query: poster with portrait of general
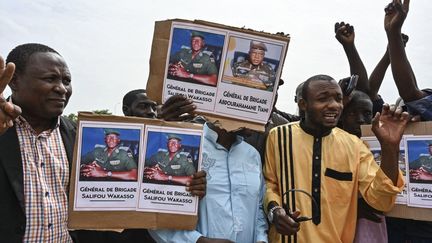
[
  {"x": 419, "y": 164},
  {"x": 172, "y": 156},
  {"x": 109, "y": 157}
]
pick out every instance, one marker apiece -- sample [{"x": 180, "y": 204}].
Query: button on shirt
[
  {"x": 46, "y": 177},
  {"x": 232, "y": 208}
]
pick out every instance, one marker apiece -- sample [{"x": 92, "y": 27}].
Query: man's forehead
[
  {"x": 324, "y": 86},
  {"x": 143, "y": 98},
  {"x": 46, "y": 62}
]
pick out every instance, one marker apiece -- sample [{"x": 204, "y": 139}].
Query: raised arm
[
  {"x": 345, "y": 35},
  {"x": 395, "y": 15},
  {"x": 8, "y": 111}
]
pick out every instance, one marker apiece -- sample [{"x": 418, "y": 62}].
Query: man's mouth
[{"x": 331, "y": 116}]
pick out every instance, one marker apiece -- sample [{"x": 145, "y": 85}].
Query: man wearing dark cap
[
  {"x": 193, "y": 64},
  {"x": 109, "y": 161},
  {"x": 172, "y": 164},
  {"x": 254, "y": 67}
]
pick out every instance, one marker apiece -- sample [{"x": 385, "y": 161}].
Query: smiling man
[
  {"x": 35, "y": 153},
  {"x": 329, "y": 164}
]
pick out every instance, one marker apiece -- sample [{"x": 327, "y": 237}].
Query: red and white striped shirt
[{"x": 46, "y": 181}]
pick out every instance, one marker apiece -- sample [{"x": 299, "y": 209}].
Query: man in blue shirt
[{"x": 232, "y": 209}]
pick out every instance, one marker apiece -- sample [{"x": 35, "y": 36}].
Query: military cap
[
  {"x": 197, "y": 34},
  {"x": 108, "y": 131},
  {"x": 173, "y": 136},
  {"x": 258, "y": 45}
]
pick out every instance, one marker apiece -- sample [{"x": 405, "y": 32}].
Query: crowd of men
[{"x": 315, "y": 180}]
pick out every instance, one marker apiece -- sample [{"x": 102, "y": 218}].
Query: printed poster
[
  {"x": 419, "y": 164},
  {"x": 375, "y": 149},
  {"x": 172, "y": 156},
  {"x": 136, "y": 167},
  {"x": 224, "y": 72}
]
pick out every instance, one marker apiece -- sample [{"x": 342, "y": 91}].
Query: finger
[
  {"x": 11, "y": 110},
  {"x": 200, "y": 174},
  {"x": 405, "y": 116},
  {"x": 406, "y": 5},
  {"x": 197, "y": 181},
  {"x": 397, "y": 113},
  {"x": 351, "y": 29},
  {"x": 6, "y": 74},
  {"x": 336, "y": 26},
  {"x": 385, "y": 110},
  {"x": 376, "y": 120}
]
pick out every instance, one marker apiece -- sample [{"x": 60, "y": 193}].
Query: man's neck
[
  {"x": 312, "y": 129},
  {"x": 39, "y": 124},
  {"x": 194, "y": 53}
]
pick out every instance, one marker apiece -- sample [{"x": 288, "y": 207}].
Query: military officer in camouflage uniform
[
  {"x": 194, "y": 63},
  {"x": 254, "y": 68},
  {"x": 109, "y": 161},
  {"x": 421, "y": 168},
  {"x": 172, "y": 164}
]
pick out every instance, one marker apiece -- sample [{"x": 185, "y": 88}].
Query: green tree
[{"x": 73, "y": 116}]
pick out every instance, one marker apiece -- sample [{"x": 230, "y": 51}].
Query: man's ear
[
  {"x": 302, "y": 104},
  {"x": 13, "y": 84},
  {"x": 126, "y": 110}
]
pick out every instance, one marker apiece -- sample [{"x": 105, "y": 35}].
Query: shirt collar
[
  {"x": 314, "y": 133},
  {"x": 213, "y": 136},
  {"x": 21, "y": 121}
]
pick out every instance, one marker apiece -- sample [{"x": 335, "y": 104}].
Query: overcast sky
[{"x": 107, "y": 43}]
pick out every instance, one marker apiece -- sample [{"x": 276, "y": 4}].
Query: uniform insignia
[
  {"x": 197, "y": 65},
  {"x": 114, "y": 162},
  {"x": 189, "y": 159},
  {"x": 175, "y": 167},
  {"x": 129, "y": 154},
  {"x": 178, "y": 156},
  {"x": 117, "y": 150}
]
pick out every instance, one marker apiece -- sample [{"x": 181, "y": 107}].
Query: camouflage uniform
[
  {"x": 180, "y": 165},
  {"x": 201, "y": 64},
  {"x": 121, "y": 158},
  {"x": 262, "y": 72}
]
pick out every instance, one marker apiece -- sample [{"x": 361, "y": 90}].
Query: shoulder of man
[
  {"x": 186, "y": 156},
  {"x": 244, "y": 63}
]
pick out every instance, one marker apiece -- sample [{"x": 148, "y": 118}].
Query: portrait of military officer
[
  {"x": 171, "y": 164},
  {"x": 254, "y": 68},
  {"x": 109, "y": 161},
  {"x": 194, "y": 64},
  {"x": 421, "y": 168}
]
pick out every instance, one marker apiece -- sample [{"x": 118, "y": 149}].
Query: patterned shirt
[{"x": 46, "y": 180}]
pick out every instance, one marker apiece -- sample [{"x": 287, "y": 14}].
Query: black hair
[
  {"x": 313, "y": 78},
  {"x": 22, "y": 53},
  {"x": 129, "y": 98}
]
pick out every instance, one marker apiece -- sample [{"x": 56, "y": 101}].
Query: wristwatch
[
  {"x": 270, "y": 215},
  {"x": 109, "y": 174}
]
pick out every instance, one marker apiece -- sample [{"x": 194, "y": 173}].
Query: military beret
[
  {"x": 258, "y": 45},
  {"x": 197, "y": 34},
  {"x": 173, "y": 136},
  {"x": 108, "y": 131}
]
